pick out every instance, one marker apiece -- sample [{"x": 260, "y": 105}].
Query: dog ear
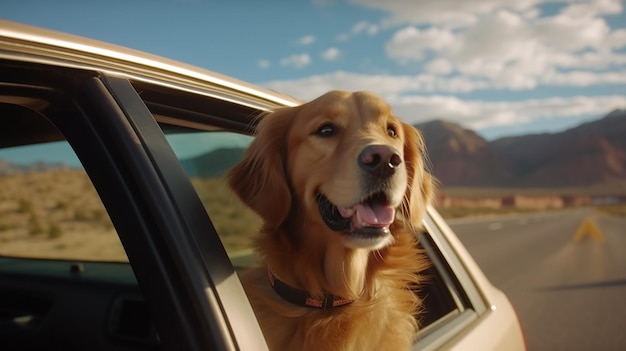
[
  {"x": 421, "y": 183},
  {"x": 260, "y": 178}
]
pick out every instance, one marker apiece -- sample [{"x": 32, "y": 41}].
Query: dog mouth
[{"x": 368, "y": 219}]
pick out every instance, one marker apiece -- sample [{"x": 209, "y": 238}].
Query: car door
[{"x": 183, "y": 272}]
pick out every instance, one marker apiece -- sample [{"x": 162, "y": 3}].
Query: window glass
[
  {"x": 206, "y": 157},
  {"x": 50, "y": 209}
]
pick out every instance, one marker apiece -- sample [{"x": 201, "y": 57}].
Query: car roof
[{"x": 28, "y": 43}]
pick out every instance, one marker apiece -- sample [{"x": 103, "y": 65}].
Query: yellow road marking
[{"x": 588, "y": 228}]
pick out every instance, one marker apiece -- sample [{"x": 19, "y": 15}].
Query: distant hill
[
  {"x": 9, "y": 168},
  {"x": 212, "y": 164},
  {"x": 590, "y": 154},
  {"x": 593, "y": 153},
  {"x": 461, "y": 157}
]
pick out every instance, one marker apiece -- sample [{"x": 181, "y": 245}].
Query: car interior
[{"x": 66, "y": 281}]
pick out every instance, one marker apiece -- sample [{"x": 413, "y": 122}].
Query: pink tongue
[{"x": 376, "y": 215}]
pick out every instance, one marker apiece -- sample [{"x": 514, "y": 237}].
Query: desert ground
[{"x": 57, "y": 214}]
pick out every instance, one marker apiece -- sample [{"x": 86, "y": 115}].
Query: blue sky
[{"x": 500, "y": 67}]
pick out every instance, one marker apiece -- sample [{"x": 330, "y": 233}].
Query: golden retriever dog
[{"x": 341, "y": 187}]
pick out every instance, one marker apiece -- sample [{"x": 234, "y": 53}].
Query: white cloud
[
  {"x": 410, "y": 43},
  {"x": 264, "y": 64},
  {"x": 365, "y": 27},
  {"x": 457, "y": 14},
  {"x": 516, "y": 50},
  {"x": 306, "y": 40},
  {"x": 584, "y": 78},
  {"x": 313, "y": 86},
  {"x": 617, "y": 39},
  {"x": 482, "y": 114},
  {"x": 385, "y": 85},
  {"x": 415, "y": 98},
  {"x": 331, "y": 54},
  {"x": 296, "y": 61},
  {"x": 342, "y": 37},
  {"x": 484, "y": 45},
  {"x": 433, "y": 83},
  {"x": 446, "y": 13},
  {"x": 569, "y": 32},
  {"x": 593, "y": 8},
  {"x": 358, "y": 29},
  {"x": 439, "y": 66}
]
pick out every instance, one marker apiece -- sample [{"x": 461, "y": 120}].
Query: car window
[
  {"x": 206, "y": 156},
  {"x": 451, "y": 301},
  {"x": 50, "y": 209}
]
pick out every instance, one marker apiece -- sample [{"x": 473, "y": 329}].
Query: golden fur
[{"x": 298, "y": 153}]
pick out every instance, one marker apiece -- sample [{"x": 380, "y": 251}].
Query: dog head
[{"x": 342, "y": 162}]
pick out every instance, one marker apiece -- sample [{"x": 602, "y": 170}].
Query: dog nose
[{"x": 380, "y": 160}]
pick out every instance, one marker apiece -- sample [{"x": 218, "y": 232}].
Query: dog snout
[{"x": 380, "y": 160}]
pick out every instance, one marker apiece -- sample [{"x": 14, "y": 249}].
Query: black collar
[{"x": 302, "y": 298}]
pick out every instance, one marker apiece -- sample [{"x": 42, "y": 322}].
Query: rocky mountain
[
  {"x": 460, "y": 157},
  {"x": 593, "y": 153},
  {"x": 590, "y": 154}
]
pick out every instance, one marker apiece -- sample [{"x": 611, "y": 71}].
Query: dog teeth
[
  {"x": 346, "y": 212},
  {"x": 361, "y": 222}
]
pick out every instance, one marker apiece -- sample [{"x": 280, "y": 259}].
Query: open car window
[
  {"x": 85, "y": 170},
  {"x": 206, "y": 156},
  {"x": 49, "y": 209}
]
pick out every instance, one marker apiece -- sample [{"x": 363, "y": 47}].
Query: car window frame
[
  {"x": 151, "y": 203},
  {"x": 471, "y": 304}
]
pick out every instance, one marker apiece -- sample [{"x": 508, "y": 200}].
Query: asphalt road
[{"x": 570, "y": 295}]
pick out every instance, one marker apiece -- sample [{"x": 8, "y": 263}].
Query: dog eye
[
  {"x": 391, "y": 131},
  {"x": 326, "y": 130}
]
